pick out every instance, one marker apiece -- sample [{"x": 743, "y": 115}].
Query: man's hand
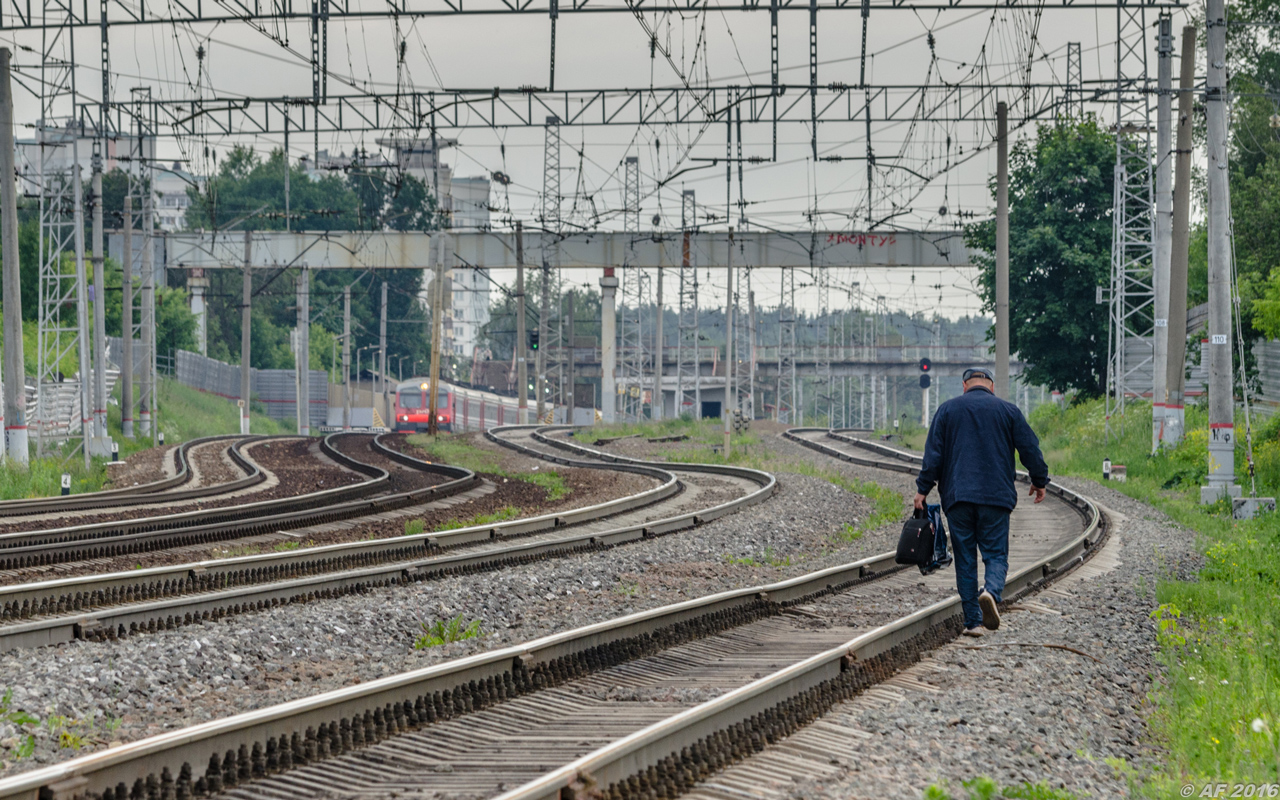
[
  {"x": 920, "y": 498},
  {"x": 1038, "y": 491}
]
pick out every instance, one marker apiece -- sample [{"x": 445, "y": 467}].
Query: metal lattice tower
[
  {"x": 631, "y": 361},
  {"x": 688, "y": 385},
  {"x": 1132, "y": 300},
  {"x": 552, "y": 219},
  {"x": 1075, "y": 81},
  {"x": 58, "y": 325}
]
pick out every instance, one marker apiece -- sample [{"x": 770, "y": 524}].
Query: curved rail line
[
  {"x": 105, "y": 539},
  {"x": 148, "y": 493},
  {"x": 659, "y": 760},
  {"x": 116, "y": 605}
]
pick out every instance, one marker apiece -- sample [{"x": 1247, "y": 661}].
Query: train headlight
[
  {"x": 404, "y": 417},
  {"x": 440, "y": 418}
]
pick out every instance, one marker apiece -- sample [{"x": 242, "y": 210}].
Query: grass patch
[
  {"x": 446, "y": 631},
  {"x": 184, "y": 414},
  {"x": 886, "y": 504},
  {"x": 501, "y": 515},
  {"x": 767, "y": 559},
  {"x": 984, "y": 788},
  {"x": 628, "y": 588},
  {"x": 459, "y": 453},
  {"x": 1217, "y": 709},
  {"x": 187, "y": 413},
  {"x": 413, "y": 527},
  {"x": 704, "y": 434}
]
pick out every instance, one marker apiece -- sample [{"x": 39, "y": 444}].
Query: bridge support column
[
  {"x": 608, "y": 345},
  {"x": 199, "y": 284}
]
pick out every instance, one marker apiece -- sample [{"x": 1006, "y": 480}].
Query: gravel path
[
  {"x": 1016, "y": 714},
  {"x": 121, "y": 691},
  {"x": 210, "y": 465},
  {"x": 144, "y": 466}
]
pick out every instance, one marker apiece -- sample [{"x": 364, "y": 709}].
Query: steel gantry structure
[{"x": 815, "y": 105}]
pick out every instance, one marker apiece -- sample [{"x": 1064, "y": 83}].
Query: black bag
[{"x": 915, "y": 545}]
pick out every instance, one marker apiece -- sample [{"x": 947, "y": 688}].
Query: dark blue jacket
[{"x": 969, "y": 452}]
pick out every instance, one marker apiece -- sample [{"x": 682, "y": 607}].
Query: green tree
[
  {"x": 248, "y": 185},
  {"x": 175, "y": 324},
  {"x": 250, "y": 189},
  {"x": 1060, "y": 199}
]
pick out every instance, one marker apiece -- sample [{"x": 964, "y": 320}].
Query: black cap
[{"x": 977, "y": 372}]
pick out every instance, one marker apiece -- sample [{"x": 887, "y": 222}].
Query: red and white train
[{"x": 457, "y": 409}]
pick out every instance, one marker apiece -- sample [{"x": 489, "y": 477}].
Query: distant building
[
  {"x": 465, "y": 205},
  {"x": 470, "y": 211},
  {"x": 172, "y": 201},
  {"x": 61, "y": 148}
]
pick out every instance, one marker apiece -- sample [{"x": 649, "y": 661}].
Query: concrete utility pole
[
  {"x": 303, "y": 363},
  {"x": 246, "y": 324},
  {"x": 1163, "y": 249},
  {"x": 15, "y": 395},
  {"x": 437, "y": 330},
  {"x": 540, "y": 365},
  {"x": 1002, "y": 250},
  {"x": 148, "y": 319},
  {"x": 751, "y": 353},
  {"x": 1222, "y": 477},
  {"x": 567, "y": 341},
  {"x": 382, "y": 351},
  {"x": 346, "y": 358},
  {"x": 729, "y": 398},
  {"x": 522, "y": 366},
  {"x": 1175, "y": 372},
  {"x": 608, "y": 345},
  {"x": 656, "y": 404},
  {"x": 82, "y": 321},
  {"x": 126, "y": 323},
  {"x": 101, "y": 439}
]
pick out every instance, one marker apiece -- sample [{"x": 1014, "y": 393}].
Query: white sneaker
[
  {"x": 990, "y": 613},
  {"x": 974, "y": 632}
]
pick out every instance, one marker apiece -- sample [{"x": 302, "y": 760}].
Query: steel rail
[
  {"x": 122, "y": 603},
  {"x": 146, "y": 493},
  {"x": 767, "y": 481},
  {"x": 664, "y": 749},
  {"x": 252, "y": 744},
  {"x": 546, "y": 658},
  {"x": 272, "y": 739},
  {"x": 103, "y": 539}
]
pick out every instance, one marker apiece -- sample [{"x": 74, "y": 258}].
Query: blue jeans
[{"x": 986, "y": 528}]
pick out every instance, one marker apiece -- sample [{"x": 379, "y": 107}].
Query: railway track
[
  {"x": 114, "y": 605},
  {"x": 143, "y": 534},
  {"x": 165, "y": 490},
  {"x": 642, "y": 706}
]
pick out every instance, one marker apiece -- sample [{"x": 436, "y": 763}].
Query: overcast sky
[{"x": 612, "y": 51}]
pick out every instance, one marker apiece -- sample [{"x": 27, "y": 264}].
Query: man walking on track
[{"x": 969, "y": 457}]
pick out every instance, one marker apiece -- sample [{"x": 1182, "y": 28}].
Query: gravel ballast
[
  {"x": 125, "y": 690},
  {"x": 1017, "y": 714}
]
